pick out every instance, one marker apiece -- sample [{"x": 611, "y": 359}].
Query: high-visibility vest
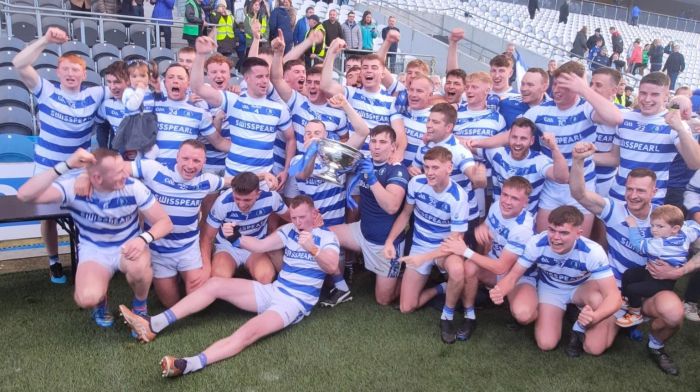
[
  {"x": 224, "y": 28},
  {"x": 314, "y": 49},
  {"x": 263, "y": 27},
  {"x": 191, "y": 29}
]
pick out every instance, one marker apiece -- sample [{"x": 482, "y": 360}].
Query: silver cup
[{"x": 337, "y": 159}]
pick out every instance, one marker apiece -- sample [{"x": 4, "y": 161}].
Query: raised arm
[
  {"x": 392, "y": 37},
  {"x": 577, "y": 183},
  {"x": 608, "y": 159},
  {"x": 328, "y": 85},
  {"x": 389, "y": 198},
  {"x": 38, "y": 189},
  {"x": 477, "y": 175},
  {"x": 255, "y": 32},
  {"x": 23, "y": 60},
  {"x": 687, "y": 146},
  {"x": 276, "y": 69},
  {"x": 456, "y": 35},
  {"x": 361, "y": 130},
  {"x": 326, "y": 257},
  {"x": 204, "y": 47},
  {"x": 559, "y": 172},
  {"x": 605, "y": 111},
  {"x": 267, "y": 244}
]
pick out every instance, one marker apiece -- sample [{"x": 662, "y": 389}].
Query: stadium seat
[
  {"x": 115, "y": 34},
  {"x": 16, "y": 148},
  {"x": 14, "y": 96},
  {"x": 46, "y": 60},
  {"x": 104, "y": 50},
  {"x": 132, "y": 52},
  {"x": 93, "y": 79},
  {"x": 50, "y": 3},
  {"x": 14, "y": 44},
  {"x": 6, "y": 58},
  {"x": 53, "y": 49},
  {"x": 10, "y": 77},
  {"x": 24, "y": 26},
  {"x": 29, "y": 3},
  {"x": 159, "y": 54},
  {"x": 76, "y": 47},
  {"x": 163, "y": 65},
  {"x": 89, "y": 63},
  {"x": 91, "y": 31},
  {"x": 16, "y": 120},
  {"x": 138, "y": 35},
  {"x": 54, "y": 21},
  {"x": 104, "y": 62},
  {"x": 48, "y": 74}
]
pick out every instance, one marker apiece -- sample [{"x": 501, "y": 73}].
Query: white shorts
[
  {"x": 291, "y": 188},
  {"x": 425, "y": 268},
  {"x": 108, "y": 257},
  {"x": 372, "y": 254},
  {"x": 557, "y": 297},
  {"x": 240, "y": 256},
  {"x": 267, "y": 297},
  {"x": 167, "y": 265},
  {"x": 553, "y": 197},
  {"x": 480, "y": 195}
]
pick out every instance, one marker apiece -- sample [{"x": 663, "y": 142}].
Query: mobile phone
[{"x": 235, "y": 236}]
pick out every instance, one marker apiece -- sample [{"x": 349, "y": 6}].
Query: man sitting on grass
[{"x": 310, "y": 253}]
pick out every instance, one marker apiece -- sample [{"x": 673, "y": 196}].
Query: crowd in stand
[{"x": 550, "y": 201}]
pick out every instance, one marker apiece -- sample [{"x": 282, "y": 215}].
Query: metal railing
[
  {"x": 610, "y": 11},
  {"x": 400, "y": 60}
]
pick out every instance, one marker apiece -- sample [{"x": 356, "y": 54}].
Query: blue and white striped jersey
[
  {"x": 65, "y": 121},
  {"x": 605, "y": 135},
  {"x": 436, "y": 214},
  {"x": 513, "y": 107},
  {"x": 178, "y": 121},
  {"x": 302, "y": 111},
  {"x": 301, "y": 277},
  {"x": 508, "y": 234},
  {"x": 106, "y": 219},
  {"x": 112, "y": 111},
  {"x": 462, "y": 159},
  {"x": 691, "y": 197},
  {"x": 586, "y": 260},
  {"x": 376, "y": 108},
  {"x": 414, "y": 121},
  {"x": 672, "y": 249},
  {"x": 533, "y": 168},
  {"x": 478, "y": 125},
  {"x": 252, "y": 223},
  {"x": 253, "y": 125},
  {"x": 645, "y": 142},
  {"x": 328, "y": 197},
  {"x": 180, "y": 199},
  {"x": 620, "y": 251},
  {"x": 569, "y": 126}
]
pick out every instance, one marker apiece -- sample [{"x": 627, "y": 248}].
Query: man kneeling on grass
[{"x": 309, "y": 254}]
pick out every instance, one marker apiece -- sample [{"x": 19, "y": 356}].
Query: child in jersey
[
  {"x": 143, "y": 77},
  {"x": 671, "y": 239}
]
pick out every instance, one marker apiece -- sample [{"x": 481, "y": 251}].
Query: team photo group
[{"x": 542, "y": 192}]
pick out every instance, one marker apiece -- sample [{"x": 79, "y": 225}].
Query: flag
[{"x": 520, "y": 69}]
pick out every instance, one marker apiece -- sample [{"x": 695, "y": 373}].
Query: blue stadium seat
[
  {"x": 16, "y": 120},
  {"x": 16, "y": 148}
]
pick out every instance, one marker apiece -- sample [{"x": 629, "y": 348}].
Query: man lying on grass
[{"x": 309, "y": 254}]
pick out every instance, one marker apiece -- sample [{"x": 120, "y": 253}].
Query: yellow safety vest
[
  {"x": 322, "y": 52},
  {"x": 263, "y": 28},
  {"x": 224, "y": 28}
]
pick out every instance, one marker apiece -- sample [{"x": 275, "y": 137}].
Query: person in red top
[{"x": 634, "y": 57}]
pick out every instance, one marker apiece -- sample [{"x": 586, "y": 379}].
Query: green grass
[{"x": 49, "y": 344}]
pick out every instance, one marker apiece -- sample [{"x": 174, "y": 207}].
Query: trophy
[{"x": 337, "y": 159}]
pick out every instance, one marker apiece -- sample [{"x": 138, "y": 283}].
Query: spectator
[
  {"x": 302, "y": 26},
  {"x": 593, "y": 38},
  {"x": 80, "y": 5},
  {"x": 616, "y": 63},
  {"x": 595, "y": 50},
  {"x": 601, "y": 59},
  {"x": 282, "y": 18},
  {"x": 634, "y": 56},
  {"x": 669, "y": 47},
  {"x": 620, "y": 96},
  {"x": 240, "y": 44},
  {"x": 163, "y": 9},
  {"x": 316, "y": 52},
  {"x": 393, "y": 48},
  {"x": 635, "y": 15},
  {"x": 194, "y": 21},
  {"x": 352, "y": 32},
  {"x": 333, "y": 28},
  {"x": 580, "y": 48},
  {"x": 617, "y": 43},
  {"x": 564, "y": 12},
  {"x": 532, "y": 7},
  {"x": 225, "y": 37},
  {"x": 656, "y": 55},
  {"x": 510, "y": 51},
  {"x": 695, "y": 100},
  {"x": 629, "y": 99},
  {"x": 645, "y": 59},
  {"x": 551, "y": 67},
  {"x": 675, "y": 64},
  {"x": 105, "y": 6},
  {"x": 256, "y": 10},
  {"x": 369, "y": 31},
  {"x": 132, "y": 8}
]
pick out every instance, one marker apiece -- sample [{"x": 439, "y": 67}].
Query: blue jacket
[
  {"x": 300, "y": 30},
  {"x": 279, "y": 19},
  {"x": 163, "y": 9},
  {"x": 695, "y": 99}
]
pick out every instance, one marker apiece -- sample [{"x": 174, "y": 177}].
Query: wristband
[
  {"x": 468, "y": 253},
  {"x": 61, "y": 167},
  {"x": 146, "y": 237},
  {"x": 316, "y": 252}
]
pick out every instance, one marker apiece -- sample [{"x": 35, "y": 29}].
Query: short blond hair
[
  {"x": 669, "y": 214},
  {"x": 480, "y": 76}
]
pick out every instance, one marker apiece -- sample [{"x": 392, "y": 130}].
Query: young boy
[{"x": 670, "y": 243}]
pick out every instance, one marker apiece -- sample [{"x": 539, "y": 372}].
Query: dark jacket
[
  {"x": 617, "y": 43},
  {"x": 385, "y": 31},
  {"x": 279, "y": 19},
  {"x": 656, "y": 54},
  {"x": 591, "y": 41},
  {"x": 579, "y": 48},
  {"x": 564, "y": 15},
  {"x": 532, "y": 7},
  {"x": 675, "y": 63},
  {"x": 333, "y": 31},
  {"x": 600, "y": 61}
]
